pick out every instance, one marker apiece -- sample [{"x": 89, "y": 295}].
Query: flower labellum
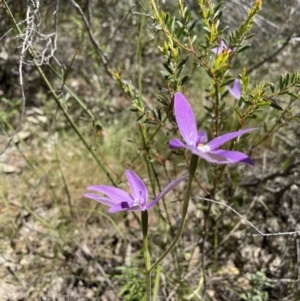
[
  {"x": 197, "y": 142},
  {"x": 120, "y": 200},
  {"x": 236, "y": 89}
]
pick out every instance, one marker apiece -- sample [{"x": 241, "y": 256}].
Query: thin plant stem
[
  {"x": 192, "y": 170},
  {"x": 144, "y": 218},
  {"x": 156, "y": 283},
  {"x": 57, "y": 99},
  {"x": 74, "y": 95},
  {"x": 217, "y": 109},
  {"x": 151, "y": 170}
]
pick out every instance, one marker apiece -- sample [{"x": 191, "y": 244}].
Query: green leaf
[
  {"x": 164, "y": 90},
  {"x": 168, "y": 68},
  {"x": 276, "y": 106},
  {"x": 249, "y": 36},
  {"x": 281, "y": 82},
  {"x": 217, "y": 15},
  {"x": 159, "y": 114},
  {"x": 183, "y": 62},
  {"x": 248, "y": 103},
  {"x": 287, "y": 79},
  {"x": 180, "y": 32},
  {"x": 206, "y": 29},
  {"x": 165, "y": 74},
  {"x": 179, "y": 71},
  {"x": 139, "y": 118},
  {"x": 173, "y": 24},
  {"x": 208, "y": 108},
  {"x": 188, "y": 17},
  {"x": 218, "y": 6},
  {"x": 241, "y": 101},
  {"x": 166, "y": 18},
  {"x": 237, "y": 110},
  {"x": 293, "y": 78},
  {"x": 191, "y": 27},
  {"x": 282, "y": 92},
  {"x": 272, "y": 87},
  {"x": 222, "y": 107},
  {"x": 179, "y": 23},
  {"x": 252, "y": 116},
  {"x": 294, "y": 95},
  {"x": 184, "y": 79},
  {"x": 243, "y": 48},
  {"x": 263, "y": 104},
  {"x": 163, "y": 100}
]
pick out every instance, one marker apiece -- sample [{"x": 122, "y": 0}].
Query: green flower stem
[
  {"x": 144, "y": 218},
  {"x": 192, "y": 170},
  {"x": 156, "y": 283}
]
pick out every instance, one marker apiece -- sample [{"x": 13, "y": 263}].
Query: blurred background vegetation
[{"x": 56, "y": 245}]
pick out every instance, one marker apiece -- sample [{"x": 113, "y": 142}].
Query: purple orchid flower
[
  {"x": 218, "y": 50},
  {"x": 197, "y": 142},
  {"x": 236, "y": 89},
  {"x": 222, "y": 47},
  {"x": 120, "y": 200}
]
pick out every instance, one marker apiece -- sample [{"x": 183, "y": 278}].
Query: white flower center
[
  {"x": 138, "y": 201},
  {"x": 203, "y": 148}
]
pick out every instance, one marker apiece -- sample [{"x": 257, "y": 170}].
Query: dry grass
[{"x": 56, "y": 244}]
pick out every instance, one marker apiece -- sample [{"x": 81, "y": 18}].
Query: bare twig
[
  {"x": 271, "y": 56},
  {"x": 101, "y": 54},
  {"x": 247, "y": 221},
  {"x": 31, "y": 37}
]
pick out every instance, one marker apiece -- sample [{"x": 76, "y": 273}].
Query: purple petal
[
  {"x": 137, "y": 186},
  {"x": 223, "y": 45},
  {"x": 117, "y": 195},
  {"x": 185, "y": 119},
  {"x": 216, "y": 50},
  {"x": 169, "y": 187},
  {"x": 202, "y": 138},
  {"x": 137, "y": 208},
  {"x": 119, "y": 207},
  {"x": 233, "y": 157},
  {"x": 175, "y": 143},
  {"x": 215, "y": 143},
  {"x": 209, "y": 156},
  {"x": 219, "y": 49},
  {"x": 236, "y": 89},
  {"x": 100, "y": 199}
]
